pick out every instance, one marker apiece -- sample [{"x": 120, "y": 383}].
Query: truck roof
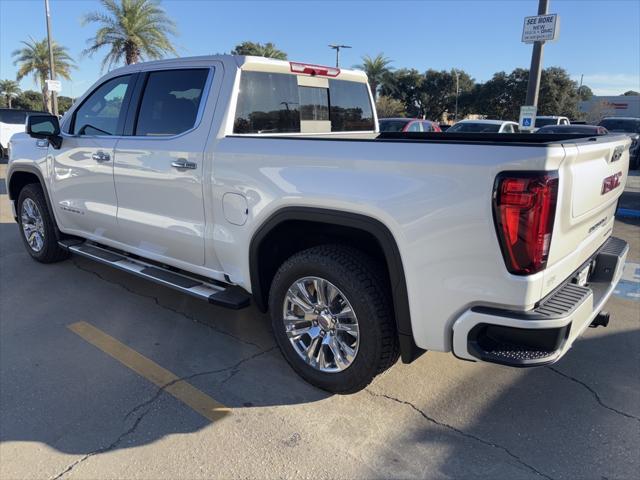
[{"x": 243, "y": 62}]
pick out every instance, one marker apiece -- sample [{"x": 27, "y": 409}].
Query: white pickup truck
[{"x": 238, "y": 178}]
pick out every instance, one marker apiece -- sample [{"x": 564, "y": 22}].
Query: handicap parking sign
[{"x": 528, "y": 117}]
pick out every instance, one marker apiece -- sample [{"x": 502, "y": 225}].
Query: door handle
[
  {"x": 101, "y": 156},
  {"x": 182, "y": 163}
]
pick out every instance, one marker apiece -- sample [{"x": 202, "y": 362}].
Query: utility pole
[
  {"x": 535, "y": 72},
  {"x": 457, "y": 91},
  {"x": 337, "y": 49},
  {"x": 52, "y": 72}
]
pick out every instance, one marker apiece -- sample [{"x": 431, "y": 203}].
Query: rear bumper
[{"x": 543, "y": 335}]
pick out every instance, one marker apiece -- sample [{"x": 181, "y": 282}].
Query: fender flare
[
  {"x": 35, "y": 171},
  {"x": 408, "y": 349}
]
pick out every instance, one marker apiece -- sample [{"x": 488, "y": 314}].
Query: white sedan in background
[
  {"x": 11, "y": 121},
  {"x": 484, "y": 126}
]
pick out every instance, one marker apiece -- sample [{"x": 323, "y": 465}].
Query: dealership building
[{"x": 617, "y": 106}]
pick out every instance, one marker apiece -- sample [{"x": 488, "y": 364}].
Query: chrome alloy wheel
[
  {"x": 321, "y": 324},
  {"x": 32, "y": 225}
]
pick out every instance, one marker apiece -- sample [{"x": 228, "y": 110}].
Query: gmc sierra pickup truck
[{"x": 239, "y": 179}]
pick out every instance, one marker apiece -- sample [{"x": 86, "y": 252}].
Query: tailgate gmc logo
[{"x": 611, "y": 183}]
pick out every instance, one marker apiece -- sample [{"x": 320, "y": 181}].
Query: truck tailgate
[{"x": 592, "y": 178}]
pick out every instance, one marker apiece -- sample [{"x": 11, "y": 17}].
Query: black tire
[
  {"x": 50, "y": 251},
  {"x": 361, "y": 281}
]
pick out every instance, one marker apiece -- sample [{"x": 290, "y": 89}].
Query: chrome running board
[{"x": 217, "y": 293}]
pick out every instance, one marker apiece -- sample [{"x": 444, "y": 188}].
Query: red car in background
[{"x": 407, "y": 125}]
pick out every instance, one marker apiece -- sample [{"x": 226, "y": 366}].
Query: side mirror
[{"x": 44, "y": 126}]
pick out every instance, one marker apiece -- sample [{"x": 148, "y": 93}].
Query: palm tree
[
  {"x": 9, "y": 89},
  {"x": 376, "y": 69},
  {"x": 133, "y": 30},
  {"x": 268, "y": 50},
  {"x": 33, "y": 58}
]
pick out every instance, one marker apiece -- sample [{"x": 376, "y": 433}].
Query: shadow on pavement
[
  {"x": 579, "y": 418},
  {"x": 58, "y": 389},
  {"x": 485, "y": 421}
]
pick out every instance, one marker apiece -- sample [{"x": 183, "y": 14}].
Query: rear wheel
[
  {"x": 37, "y": 226},
  {"x": 331, "y": 316}
]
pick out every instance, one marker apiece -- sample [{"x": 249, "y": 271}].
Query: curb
[{"x": 627, "y": 213}]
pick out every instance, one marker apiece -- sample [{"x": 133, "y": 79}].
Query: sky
[{"x": 599, "y": 39}]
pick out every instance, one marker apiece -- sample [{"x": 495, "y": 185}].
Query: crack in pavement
[
  {"x": 594, "y": 393},
  {"x": 148, "y": 403},
  {"x": 233, "y": 368},
  {"x": 460, "y": 432},
  {"x": 166, "y": 307}
]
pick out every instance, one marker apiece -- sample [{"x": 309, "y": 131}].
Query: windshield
[
  {"x": 621, "y": 125},
  {"x": 14, "y": 117},
  {"x": 392, "y": 125},
  {"x": 475, "y": 127},
  {"x": 541, "y": 122}
]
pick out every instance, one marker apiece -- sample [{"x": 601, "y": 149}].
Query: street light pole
[
  {"x": 457, "y": 91},
  {"x": 52, "y": 72},
  {"x": 535, "y": 72},
  {"x": 337, "y": 49}
]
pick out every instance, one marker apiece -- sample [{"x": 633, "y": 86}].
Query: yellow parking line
[{"x": 183, "y": 391}]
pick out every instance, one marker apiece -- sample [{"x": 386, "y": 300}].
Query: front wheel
[
  {"x": 38, "y": 226},
  {"x": 331, "y": 316}
]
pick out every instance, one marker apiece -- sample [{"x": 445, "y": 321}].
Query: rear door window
[{"x": 170, "y": 102}]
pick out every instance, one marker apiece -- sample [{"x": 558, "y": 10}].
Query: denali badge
[
  {"x": 598, "y": 225},
  {"x": 611, "y": 183}
]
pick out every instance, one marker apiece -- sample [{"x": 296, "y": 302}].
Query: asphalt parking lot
[{"x": 103, "y": 375}]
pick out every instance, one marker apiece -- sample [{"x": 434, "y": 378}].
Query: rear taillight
[{"x": 524, "y": 208}]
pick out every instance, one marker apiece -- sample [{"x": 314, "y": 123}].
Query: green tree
[
  {"x": 33, "y": 59},
  {"x": 404, "y": 85},
  {"x": 28, "y": 100},
  {"x": 558, "y": 94},
  {"x": 64, "y": 104},
  {"x": 630, "y": 93},
  {"x": 377, "y": 69},
  {"x": 132, "y": 30},
  {"x": 429, "y": 94},
  {"x": 268, "y": 50},
  {"x": 585, "y": 93},
  {"x": 503, "y": 95},
  {"x": 438, "y": 93},
  {"x": 9, "y": 89},
  {"x": 389, "y": 107}
]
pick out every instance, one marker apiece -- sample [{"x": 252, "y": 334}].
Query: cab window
[
  {"x": 170, "y": 102},
  {"x": 275, "y": 103},
  {"x": 102, "y": 113}
]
